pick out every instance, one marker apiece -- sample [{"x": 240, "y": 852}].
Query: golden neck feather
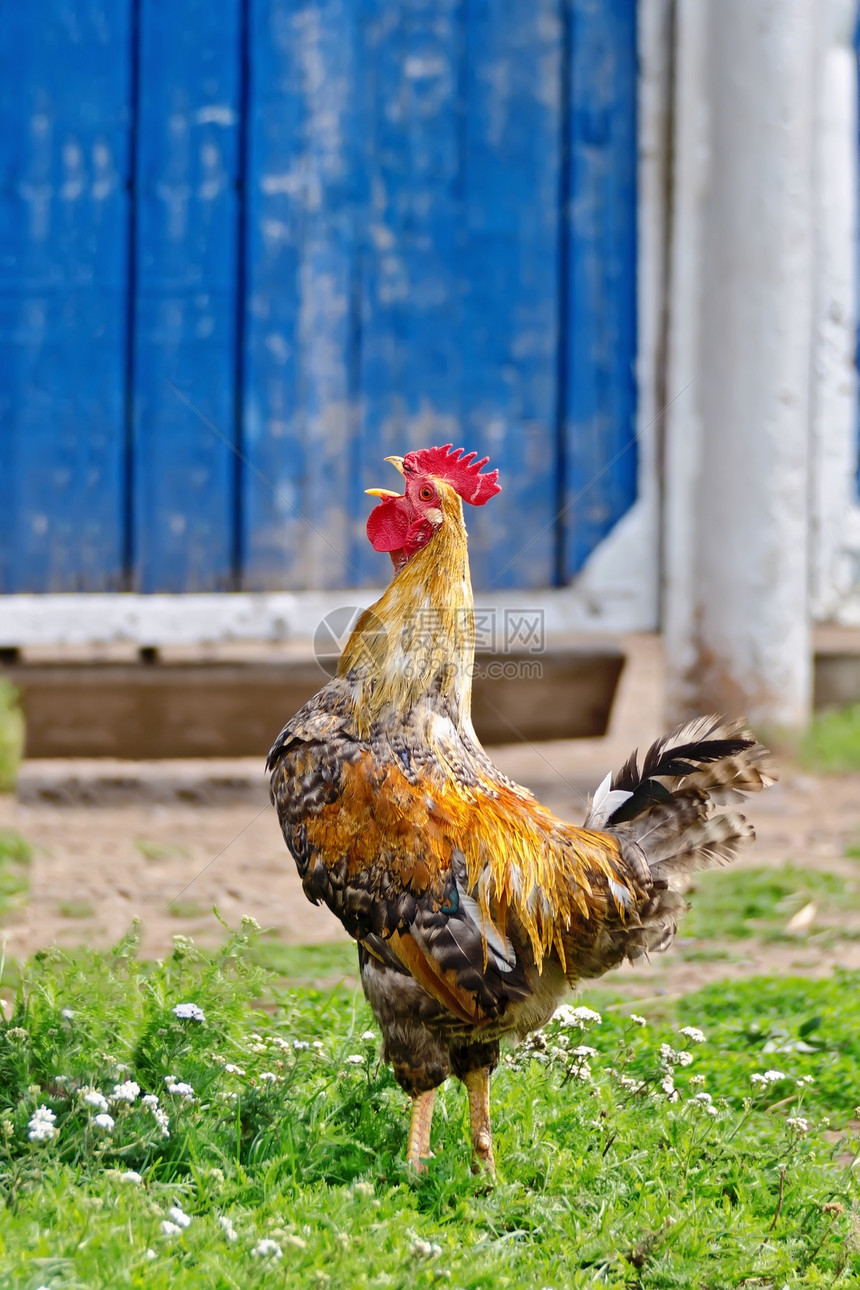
[{"x": 418, "y": 639}]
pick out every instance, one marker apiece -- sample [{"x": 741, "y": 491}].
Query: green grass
[
  {"x": 604, "y": 1180},
  {"x": 733, "y": 904},
  {"x": 76, "y": 909},
  {"x": 831, "y": 745},
  {"x": 186, "y": 909},
  {"x": 15, "y": 856},
  {"x": 11, "y": 735},
  {"x": 158, "y": 851},
  {"x": 307, "y": 964}
]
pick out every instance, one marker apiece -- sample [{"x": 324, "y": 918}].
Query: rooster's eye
[{"x": 426, "y": 494}]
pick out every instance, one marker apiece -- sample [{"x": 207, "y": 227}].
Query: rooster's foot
[
  {"x": 419, "y": 1130},
  {"x": 478, "y": 1088}
]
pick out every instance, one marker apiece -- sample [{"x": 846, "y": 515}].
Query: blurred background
[{"x": 248, "y": 248}]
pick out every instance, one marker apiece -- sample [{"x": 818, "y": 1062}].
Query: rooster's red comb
[{"x": 462, "y": 473}]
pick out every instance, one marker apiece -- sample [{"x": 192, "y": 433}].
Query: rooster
[{"x": 474, "y": 907}]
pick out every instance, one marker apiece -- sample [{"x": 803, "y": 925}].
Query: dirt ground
[{"x": 166, "y": 841}]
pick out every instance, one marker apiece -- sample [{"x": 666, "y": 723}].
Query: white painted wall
[
  {"x": 835, "y": 515},
  {"x": 760, "y": 519}
]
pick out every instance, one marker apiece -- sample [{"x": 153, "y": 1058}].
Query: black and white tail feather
[{"x": 667, "y": 820}]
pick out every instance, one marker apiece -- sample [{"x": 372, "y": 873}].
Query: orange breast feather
[{"x": 518, "y": 856}]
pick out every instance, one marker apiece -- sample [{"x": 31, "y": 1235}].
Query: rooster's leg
[
  {"x": 419, "y": 1129},
  {"x": 477, "y": 1083}
]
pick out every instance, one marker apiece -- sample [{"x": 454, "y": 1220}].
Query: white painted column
[
  {"x": 835, "y": 536},
  {"x": 736, "y": 522}
]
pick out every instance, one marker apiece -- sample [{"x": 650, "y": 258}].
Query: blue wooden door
[
  {"x": 65, "y": 166},
  {"x": 250, "y": 247}
]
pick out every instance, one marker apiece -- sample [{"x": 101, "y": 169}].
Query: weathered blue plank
[
  {"x": 186, "y": 275},
  {"x": 411, "y": 368},
  {"x": 304, "y": 203},
  {"x": 599, "y": 390},
  {"x": 510, "y": 280},
  {"x": 64, "y": 103}
]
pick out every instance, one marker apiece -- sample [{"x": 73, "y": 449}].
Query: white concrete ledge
[{"x": 164, "y": 620}]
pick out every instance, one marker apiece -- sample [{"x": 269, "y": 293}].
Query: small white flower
[
  {"x": 670, "y": 1057},
  {"x": 705, "y": 1101},
  {"x": 93, "y": 1097},
  {"x": 805, "y": 1079},
  {"x": 636, "y": 1020},
  {"x": 169, "y": 1229},
  {"x": 580, "y": 1017},
  {"x": 105, "y": 1122},
  {"x": 318, "y": 1045},
  {"x": 149, "y": 1099},
  {"x": 180, "y": 1089},
  {"x": 131, "y": 1176},
  {"x": 162, "y": 1120},
  {"x": 300, "y": 1045},
  {"x": 232, "y": 1069},
  {"x": 769, "y": 1077},
  {"x": 41, "y": 1127},
  {"x": 268, "y": 1077},
  {"x": 355, "y": 1059},
  {"x": 425, "y": 1249},
  {"x": 693, "y": 1033},
  {"x": 267, "y": 1249},
  {"x": 227, "y": 1227},
  {"x": 126, "y": 1092},
  {"x": 179, "y": 1216},
  {"x": 189, "y": 1012},
  {"x": 583, "y": 1050},
  {"x": 150, "y": 1254},
  {"x": 68, "y": 1013},
  {"x": 697, "y": 1081},
  {"x": 667, "y": 1084},
  {"x": 798, "y": 1124},
  {"x": 369, "y": 1036}
]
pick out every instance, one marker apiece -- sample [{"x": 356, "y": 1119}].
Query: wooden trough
[{"x": 157, "y": 707}]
